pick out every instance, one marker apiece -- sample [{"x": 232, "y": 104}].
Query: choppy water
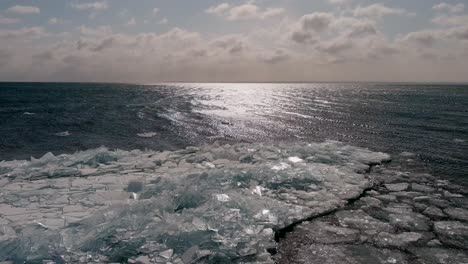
[{"x": 430, "y": 120}]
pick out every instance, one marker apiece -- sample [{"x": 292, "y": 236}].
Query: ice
[
  {"x": 295, "y": 159},
  {"x": 223, "y": 197},
  {"x": 201, "y": 204},
  {"x": 281, "y": 166}
]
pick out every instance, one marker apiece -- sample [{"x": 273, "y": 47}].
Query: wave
[
  {"x": 200, "y": 204},
  {"x": 147, "y": 134},
  {"x": 63, "y": 134}
]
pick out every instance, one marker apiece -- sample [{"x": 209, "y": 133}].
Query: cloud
[
  {"x": 340, "y": 2},
  {"x": 450, "y": 21},
  {"x": 23, "y": 33},
  {"x": 232, "y": 44},
  {"x": 163, "y": 21},
  {"x": 96, "y": 6},
  {"x": 423, "y": 38},
  {"x": 317, "y": 22},
  {"x": 94, "y": 32},
  {"x": 377, "y": 11},
  {"x": 131, "y": 22},
  {"x": 8, "y": 21},
  {"x": 23, "y": 10},
  {"x": 460, "y": 33},
  {"x": 344, "y": 44},
  {"x": 335, "y": 46},
  {"x": 56, "y": 21},
  {"x": 219, "y": 10},
  {"x": 277, "y": 56},
  {"x": 244, "y": 12},
  {"x": 361, "y": 29},
  {"x": 307, "y": 28},
  {"x": 155, "y": 10},
  {"x": 453, "y": 8}
]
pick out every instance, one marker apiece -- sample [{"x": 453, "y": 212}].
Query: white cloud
[
  {"x": 362, "y": 28},
  {"x": 340, "y": 2},
  {"x": 307, "y": 28},
  {"x": 96, "y": 6},
  {"x": 449, "y": 21},
  {"x": 155, "y": 10},
  {"x": 8, "y": 20},
  {"x": 163, "y": 21},
  {"x": 316, "y": 46},
  {"x": 335, "y": 46},
  {"x": 219, "y": 10},
  {"x": 459, "y": 33},
  {"x": 277, "y": 56},
  {"x": 377, "y": 11},
  {"x": 56, "y": 21},
  {"x": 423, "y": 38},
  {"x": 454, "y": 8},
  {"x": 23, "y": 33},
  {"x": 23, "y": 10},
  {"x": 95, "y": 32},
  {"x": 317, "y": 21},
  {"x": 246, "y": 11}
]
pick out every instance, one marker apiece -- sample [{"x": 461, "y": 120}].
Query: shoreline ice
[{"x": 208, "y": 203}]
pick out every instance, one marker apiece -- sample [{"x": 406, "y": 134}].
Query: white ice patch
[
  {"x": 223, "y": 197},
  {"x": 258, "y": 190},
  {"x": 295, "y": 159},
  {"x": 203, "y": 199},
  {"x": 147, "y": 134},
  {"x": 281, "y": 166}
]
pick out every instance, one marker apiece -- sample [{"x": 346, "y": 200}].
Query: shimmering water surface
[{"x": 430, "y": 120}]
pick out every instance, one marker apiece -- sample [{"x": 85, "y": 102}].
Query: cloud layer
[{"x": 345, "y": 44}]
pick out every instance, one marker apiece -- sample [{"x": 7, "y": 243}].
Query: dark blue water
[{"x": 430, "y": 120}]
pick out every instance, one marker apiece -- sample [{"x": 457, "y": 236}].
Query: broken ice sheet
[{"x": 202, "y": 204}]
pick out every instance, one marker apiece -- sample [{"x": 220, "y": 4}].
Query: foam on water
[
  {"x": 206, "y": 204},
  {"x": 63, "y": 134},
  {"x": 147, "y": 134}
]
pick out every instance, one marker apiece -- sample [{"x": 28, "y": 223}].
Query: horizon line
[{"x": 243, "y": 82}]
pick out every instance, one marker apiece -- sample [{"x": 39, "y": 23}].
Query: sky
[{"x": 149, "y": 41}]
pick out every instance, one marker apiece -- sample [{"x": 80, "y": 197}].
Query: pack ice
[{"x": 203, "y": 204}]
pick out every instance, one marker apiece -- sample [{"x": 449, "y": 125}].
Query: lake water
[{"x": 430, "y": 120}]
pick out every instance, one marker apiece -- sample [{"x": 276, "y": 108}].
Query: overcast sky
[{"x": 149, "y": 41}]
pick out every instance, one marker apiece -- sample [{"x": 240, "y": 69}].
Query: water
[
  {"x": 215, "y": 203},
  {"x": 430, "y": 120}
]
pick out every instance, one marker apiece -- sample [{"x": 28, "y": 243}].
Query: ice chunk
[
  {"x": 167, "y": 254},
  {"x": 258, "y": 190},
  {"x": 223, "y": 197},
  {"x": 295, "y": 159},
  {"x": 281, "y": 166}
]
